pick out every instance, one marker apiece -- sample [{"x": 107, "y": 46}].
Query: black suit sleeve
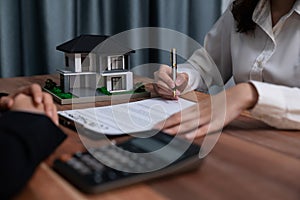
[{"x": 26, "y": 139}]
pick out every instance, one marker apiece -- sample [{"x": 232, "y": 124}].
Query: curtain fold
[{"x": 30, "y": 30}]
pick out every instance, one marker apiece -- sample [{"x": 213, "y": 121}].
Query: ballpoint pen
[{"x": 174, "y": 68}]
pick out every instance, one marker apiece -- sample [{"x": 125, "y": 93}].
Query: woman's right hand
[{"x": 164, "y": 84}]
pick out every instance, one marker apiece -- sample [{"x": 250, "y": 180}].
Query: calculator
[{"x": 114, "y": 166}]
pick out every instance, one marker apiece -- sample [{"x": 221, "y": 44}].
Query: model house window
[
  {"x": 116, "y": 83},
  {"x": 116, "y": 62}
]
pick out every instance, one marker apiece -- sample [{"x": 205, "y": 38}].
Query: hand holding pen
[{"x": 169, "y": 84}]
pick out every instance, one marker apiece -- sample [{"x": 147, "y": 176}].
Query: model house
[{"x": 93, "y": 61}]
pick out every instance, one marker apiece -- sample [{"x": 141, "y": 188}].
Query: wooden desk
[{"x": 250, "y": 161}]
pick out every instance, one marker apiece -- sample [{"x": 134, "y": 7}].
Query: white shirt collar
[
  {"x": 262, "y": 15},
  {"x": 263, "y": 7},
  {"x": 297, "y": 7}
]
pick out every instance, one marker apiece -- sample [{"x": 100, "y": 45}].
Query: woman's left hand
[{"x": 212, "y": 113}]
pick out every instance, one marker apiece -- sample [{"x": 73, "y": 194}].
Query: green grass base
[{"x": 56, "y": 90}]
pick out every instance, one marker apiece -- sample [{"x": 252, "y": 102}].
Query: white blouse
[{"x": 269, "y": 59}]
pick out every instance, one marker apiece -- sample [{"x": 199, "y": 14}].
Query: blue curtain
[{"x": 30, "y": 30}]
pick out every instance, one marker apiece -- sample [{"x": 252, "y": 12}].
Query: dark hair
[{"x": 242, "y": 11}]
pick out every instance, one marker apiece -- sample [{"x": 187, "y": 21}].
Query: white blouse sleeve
[
  {"x": 206, "y": 65},
  {"x": 218, "y": 44},
  {"x": 201, "y": 70},
  {"x": 278, "y": 106}
]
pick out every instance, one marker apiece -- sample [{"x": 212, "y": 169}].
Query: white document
[{"x": 126, "y": 118}]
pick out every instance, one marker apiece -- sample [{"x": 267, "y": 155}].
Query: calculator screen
[{"x": 151, "y": 145}]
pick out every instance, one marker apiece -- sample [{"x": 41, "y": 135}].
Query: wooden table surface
[{"x": 250, "y": 161}]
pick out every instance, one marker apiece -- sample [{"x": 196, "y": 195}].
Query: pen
[{"x": 174, "y": 68}]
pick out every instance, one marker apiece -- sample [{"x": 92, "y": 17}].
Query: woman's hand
[
  {"x": 212, "y": 113},
  {"x": 164, "y": 84},
  {"x": 25, "y": 103},
  {"x": 38, "y": 99}
]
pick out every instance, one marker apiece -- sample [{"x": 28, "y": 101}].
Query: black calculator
[{"x": 113, "y": 166}]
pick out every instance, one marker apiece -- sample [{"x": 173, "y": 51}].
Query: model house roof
[{"x": 96, "y": 43}]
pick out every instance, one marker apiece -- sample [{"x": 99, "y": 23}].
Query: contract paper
[{"x": 126, "y": 118}]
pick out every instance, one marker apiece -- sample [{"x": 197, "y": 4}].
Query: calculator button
[
  {"x": 97, "y": 178},
  {"x": 79, "y": 166},
  {"x": 110, "y": 175},
  {"x": 115, "y": 154},
  {"x": 141, "y": 160},
  {"x": 98, "y": 155},
  {"x": 134, "y": 156},
  {"x": 92, "y": 163},
  {"x": 150, "y": 165},
  {"x": 131, "y": 164},
  {"x": 124, "y": 160}
]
